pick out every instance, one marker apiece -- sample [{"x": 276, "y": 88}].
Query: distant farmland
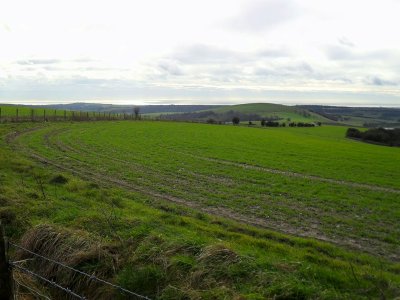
[{"x": 213, "y": 211}]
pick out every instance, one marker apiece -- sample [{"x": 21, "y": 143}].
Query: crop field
[{"x": 214, "y": 211}]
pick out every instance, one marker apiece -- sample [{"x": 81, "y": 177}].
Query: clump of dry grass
[
  {"x": 75, "y": 250},
  {"x": 218, "y": 254}
]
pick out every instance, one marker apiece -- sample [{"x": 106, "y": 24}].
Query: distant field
[
  {"x": 269, "y": 109},
  {"x": 251, "y": 190}
]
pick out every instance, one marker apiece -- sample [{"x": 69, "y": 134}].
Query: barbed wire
[
  {"x": 91, "y": 277},
  {"x": 30, "y": 289},
  {"x": 51, "y": 282}
]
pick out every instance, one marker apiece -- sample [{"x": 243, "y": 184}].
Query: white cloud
[{"x": 221, "y": 51}]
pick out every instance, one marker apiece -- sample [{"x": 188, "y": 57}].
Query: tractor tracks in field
[
  {"x": 371, "y": 187},
  {"x": 84, "y": 170},
  {"x": 365, "y": 245},
  {"x": 293, "y": 174}
]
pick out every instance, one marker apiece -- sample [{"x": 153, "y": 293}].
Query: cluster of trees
[
  {"x": 269, "y": 123},
  {"x": 302, "y": 124},
  {"x": 389, "y": 137}
]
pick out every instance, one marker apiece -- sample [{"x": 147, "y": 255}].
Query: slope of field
[
  {"x": 282, "y": 111},
  {"x": 25, "y": 111},
  {"x": 170, "y": 188}
]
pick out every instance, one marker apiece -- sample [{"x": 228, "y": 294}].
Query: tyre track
[
  {"x": 294, "y": 174},
  {"x": 82, "y": 170}
]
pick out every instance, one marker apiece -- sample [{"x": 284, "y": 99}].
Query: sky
[{"x": 200, "y": 52}]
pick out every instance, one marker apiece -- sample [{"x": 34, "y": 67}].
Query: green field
[
  {"x": 24, "y": 111},
  {"x": 21, "y": 113},
  {"x": 282, "y": 111},
  {"x": 216, "y": 212}
]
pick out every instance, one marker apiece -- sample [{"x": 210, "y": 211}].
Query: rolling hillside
[
  {"x": 252, "y": 112},
  {"x": 282, "y": 111}
]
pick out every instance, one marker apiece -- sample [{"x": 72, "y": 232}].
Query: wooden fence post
[
  {"x": 44, "y": 115},
  {"x": 6, "y": 283}
]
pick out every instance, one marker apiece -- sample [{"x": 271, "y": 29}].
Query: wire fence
[
  {"x": 14, "y": 265},
  {"x": 10, "y": 114},
  {"x": 66, "y": 290}
]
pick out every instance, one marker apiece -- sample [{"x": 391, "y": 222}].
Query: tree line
[{"x": 390, "y": 137}]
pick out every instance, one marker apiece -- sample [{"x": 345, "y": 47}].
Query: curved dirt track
[{"x": 85, "y": 171}]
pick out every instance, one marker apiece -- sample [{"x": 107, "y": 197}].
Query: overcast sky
[{"x": 209, "y": 51}]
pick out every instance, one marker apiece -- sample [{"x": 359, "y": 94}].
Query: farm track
[
  {"x": 297, "y": 175},
  {"x": 86, "y": 171}
]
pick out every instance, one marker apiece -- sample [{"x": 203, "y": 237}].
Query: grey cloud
[
  {"x": 38, "y": 61},
  {"x": 170, "y": 68},
  {"x": 204, "y": 54},
  {"x": 107, "y": 91},
  {"x": 346, "y": 53},
  {"x": 273, "y": 52},
  {"x": 340, "y": 53},
  {"x": 378, "y": 81},
  {"x": 288, "y": 69},
  {"x": 262, "y": 15},
  {"x": 346, "y": 42},
  {"x": 46, "y": 61},
  {"x": 207, "y": 54},
  {"x": 84, "y": 60}
]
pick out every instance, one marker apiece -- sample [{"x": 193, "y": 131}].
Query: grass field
[
  {"x": 215, "y": 212},
  {"x": 24, "y": 111},
  {"x": 18, "y": 113},
  {"x": 269, "y": 109}
]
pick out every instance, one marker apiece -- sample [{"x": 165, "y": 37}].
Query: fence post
[
  {"x": 6, "y": 284},
  {"x": 32, "y": 117},
  {"x": 65, "y": 115},
  {"x": 17, "y": 115},
  {"x": 44, "y": 115}
]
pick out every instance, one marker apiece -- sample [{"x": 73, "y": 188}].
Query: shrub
[
  {"x": 59, "y": 179},
  {"x": 353, "y": 133},
  {"x": 389, "y": 137},
  {"x": 235, "y": 120}
]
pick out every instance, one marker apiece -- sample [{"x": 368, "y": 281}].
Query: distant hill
[
  {"x": 359, "y": 116},
  {"x": 267, "y": 110},
  {"x": 351, "y": 116},
  {"x": 252, "y": 112},
  {"x": 144, "y": 109}
]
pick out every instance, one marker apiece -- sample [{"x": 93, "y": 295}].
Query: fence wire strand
[
  {"x": 66, "y": 290},
  {"x": 91, "y": 277}
]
